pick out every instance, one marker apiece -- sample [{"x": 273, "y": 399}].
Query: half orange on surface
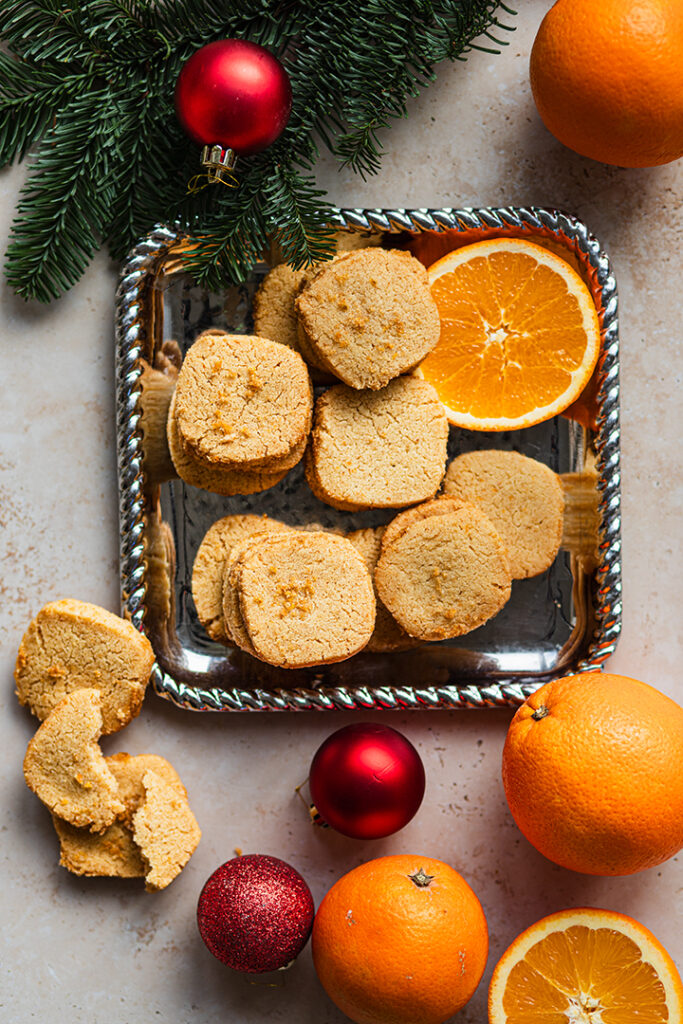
[
  {"x": 520, "y": 334},
  {"x": 586, "y": 966}
]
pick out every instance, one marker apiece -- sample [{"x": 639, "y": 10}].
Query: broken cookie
[
  {"x": 66, "y": 769},
  {"x": 165, "y": 829},
  {"x": 117, "y": 852}
]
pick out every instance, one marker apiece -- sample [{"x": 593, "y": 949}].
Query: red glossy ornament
[
  {"x": 367, "y": 781},
  {"x": 234, "y": 94},
  {"x": 255, "y": 913}
]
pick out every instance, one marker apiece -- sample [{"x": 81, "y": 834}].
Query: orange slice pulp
[
  {"x": 520, "y": 334},
  {"x": 586, "y": 966}
]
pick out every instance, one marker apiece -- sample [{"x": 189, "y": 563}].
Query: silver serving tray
[{"x": 566, "y": 620}]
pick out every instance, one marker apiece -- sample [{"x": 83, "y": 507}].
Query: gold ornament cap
[{"x": 219, "y": 163}]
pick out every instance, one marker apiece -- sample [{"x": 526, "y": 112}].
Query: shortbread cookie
[
  {"x": 233, "y": 622},
  {"x": 129, "y": 771},
  {"x": 165, "y": 829},
  {"x": 209, "y": 563},
  {"x": 243, "y": 402},
  {"x": 273, "y": 309},
  {"x": 445, "y": 575},
  {"x": 66, "y": 769},
  {"x": 436, "y": 507},
  {"x": 232, "y": 612},
  {"x": 523, "y": 499},
  {"x": 114, "y": 853},
  {"x": 369, "y": 316},
  {"x": 378, "y": 449},
  {"x": 227, "y": 482},
  {"x": 387, "y": 635},
  {"x": 72, "y": 644},
  {"x": 111, "y": 854},
  {"x": 305, "y": 598},
  {"x": 320, "y": 370},
  {"x": 275, "y": 314}
]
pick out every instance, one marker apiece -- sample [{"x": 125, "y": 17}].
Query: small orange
[
  {"x": 520, "y": 334},
  {"x": 400, "y": 940},
  {"x": 586, "y": 965},
  {"x": 592, "y": 769},
  {"x": 607, "y": 79}
]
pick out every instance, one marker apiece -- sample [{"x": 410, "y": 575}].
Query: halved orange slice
[
  {"x": 520, "y": 334},
  {"x": 586, "y": 966}
]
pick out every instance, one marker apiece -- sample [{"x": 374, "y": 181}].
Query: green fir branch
[
  {"x": 39, "y": 30},
  {"x": 230, "y": 235},
  {"x": 63, "y": 207},
  {"x": 379, "y": 85},
  {"x": 297, "y": 218},
  {"x": 91, "y": 85},
  {"x": 30, "y": 100},
  {"x": 151, "y": 163},
  {"x": 191, "y": 23}
]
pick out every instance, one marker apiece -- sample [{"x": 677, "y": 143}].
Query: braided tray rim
[{"x": 130, "y": 329}]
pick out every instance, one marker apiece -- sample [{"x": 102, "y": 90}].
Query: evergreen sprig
[{"x": 86, "y": 92}]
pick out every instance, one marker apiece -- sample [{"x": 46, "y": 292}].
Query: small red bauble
[
  {"x": 234, "y": 94},
  {"x": 367, "y": 781},
  {"x": 255, "y": 913}
]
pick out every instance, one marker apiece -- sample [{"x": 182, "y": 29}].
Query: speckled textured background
[{"x": 104, "y": 952}]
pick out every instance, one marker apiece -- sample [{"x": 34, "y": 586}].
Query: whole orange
[
  {"x": 400, "y": 940},
  {"x": 593, "y": 773},
  {"x": 607, "y": 78}
]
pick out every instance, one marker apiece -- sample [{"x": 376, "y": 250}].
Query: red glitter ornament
[
  {"x": 255, "y": 913},
  {"x": 233, "y": 97},
  {"x": 367, "y": 781}
]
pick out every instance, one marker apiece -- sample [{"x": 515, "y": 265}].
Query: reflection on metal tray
[{"x": 566, "y": 620}]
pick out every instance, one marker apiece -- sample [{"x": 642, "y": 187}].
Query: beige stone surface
[{"x": 102, "y": 951}]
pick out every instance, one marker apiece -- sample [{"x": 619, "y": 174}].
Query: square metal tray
[{"x": 566, "y": 620}]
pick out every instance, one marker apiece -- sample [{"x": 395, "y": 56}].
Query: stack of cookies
[
  {"x": 364, "y": 317},
  {"x": 83, "y": 672},
  {"x": 240, "y": 415},
  {"x": 298, "y": 599},
  {"x": 292, "y": 598}
]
